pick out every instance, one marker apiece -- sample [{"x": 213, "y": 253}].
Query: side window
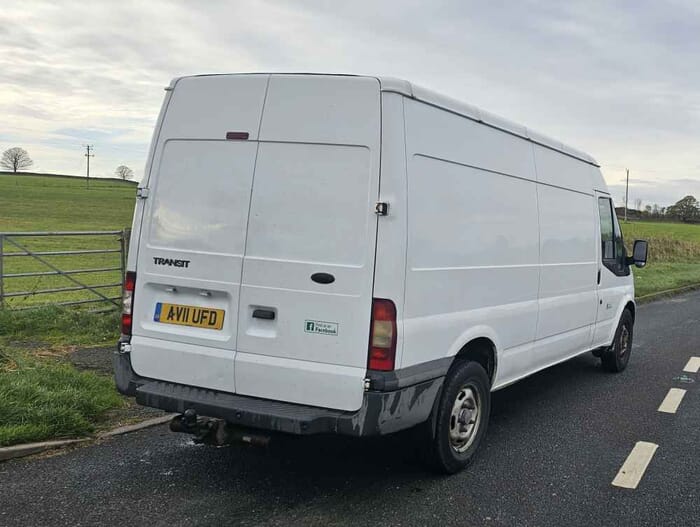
[
  {"x": 607, "y": 229},
  {"x": 620, "y": 252},
  {"x": 612, "y": 246}
]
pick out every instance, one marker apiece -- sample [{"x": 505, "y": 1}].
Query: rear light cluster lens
[
  {"x": 382, "y": 338},
  {"x": 128, "y": 302}
]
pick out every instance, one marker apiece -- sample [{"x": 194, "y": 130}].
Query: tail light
[
  {"x": 128, "y": 301},
  {"x": 382, "y": 335}
]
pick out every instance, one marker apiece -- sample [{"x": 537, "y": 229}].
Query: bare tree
[
  {"x": 15, "y": 159},
  {"x": 638, "y": 204},
  {"x": 124, "y": 172}
]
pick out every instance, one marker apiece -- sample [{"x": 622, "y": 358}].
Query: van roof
[{"x": 409, "y": 89}]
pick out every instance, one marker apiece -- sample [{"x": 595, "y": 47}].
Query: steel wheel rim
[
  {"x": 624, "y": 341},
  {"x": 464, "y": 418}
]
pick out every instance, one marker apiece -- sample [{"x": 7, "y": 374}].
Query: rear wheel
[
  {"x": 461, "y": 419},
  {"x": 616, "y": 357}
]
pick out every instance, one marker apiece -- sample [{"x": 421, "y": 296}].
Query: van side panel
[
  {"x": 568, "y": 250},
  {"x": 390, "y": 262},
  {"x": 473, "y": 255},
  {"x": 568, "y": 276},
  {"x": 559, "y": 170}
]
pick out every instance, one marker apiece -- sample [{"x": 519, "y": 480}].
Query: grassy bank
[
  {"x": 674, "y": 255},
  {"x": 42, "y": 396}
]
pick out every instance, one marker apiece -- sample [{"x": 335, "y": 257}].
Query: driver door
[{"x": 613, "y": 272}]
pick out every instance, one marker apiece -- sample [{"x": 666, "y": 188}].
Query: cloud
[{"x": 613, "y": 79}]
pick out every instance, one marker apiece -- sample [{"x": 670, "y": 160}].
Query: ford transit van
[{"x": 358, "y": 255}]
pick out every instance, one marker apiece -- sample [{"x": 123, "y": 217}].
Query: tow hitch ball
[{"x": 215, "y": 431}]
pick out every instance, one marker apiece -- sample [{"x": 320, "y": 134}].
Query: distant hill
[{"x": 67, "y": 176}]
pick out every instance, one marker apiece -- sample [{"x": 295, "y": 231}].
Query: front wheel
[
  {"x": 616, "y": 357},
  {"x": 462, "y": 417}
]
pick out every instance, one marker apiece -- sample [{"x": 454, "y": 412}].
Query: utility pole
[
  {"x": 88, "y": 155},
  {"x": 627, "y": 191}
]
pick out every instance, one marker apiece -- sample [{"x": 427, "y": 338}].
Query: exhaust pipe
[
  {"x": 240, "y": 435},
  {"x": 215, "y": 432}
]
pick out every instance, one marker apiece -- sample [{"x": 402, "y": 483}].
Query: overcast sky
[{"x": 620, "y": 80}]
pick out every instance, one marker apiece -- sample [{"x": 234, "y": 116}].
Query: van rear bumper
[{"x": 382, "y": 412}]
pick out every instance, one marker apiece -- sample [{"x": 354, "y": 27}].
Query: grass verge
[
  {"x": 664, "y": 276},
  {"x": 42, "y": 396},
  {"x": 43, "y": 399},
  {"x": 674, "y": 255}
]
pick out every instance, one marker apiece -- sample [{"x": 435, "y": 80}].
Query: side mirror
[{"x": 639, "y": 253}]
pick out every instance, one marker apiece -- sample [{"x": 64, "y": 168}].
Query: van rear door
[
  {"x": 193, "y": 233},
  {"x": 256, "y": 257},
  {"x": 306, "y": 289}
]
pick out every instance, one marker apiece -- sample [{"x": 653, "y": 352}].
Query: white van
[{"x": 358, "y": 255}]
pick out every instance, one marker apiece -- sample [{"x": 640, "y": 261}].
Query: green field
[
  {"x": 48, "y": 203},
  {"x": 674, "y": 255},
  {"x": 45, "y": 203}
]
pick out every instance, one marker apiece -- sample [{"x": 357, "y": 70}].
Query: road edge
[
  {"x": 668, "y": 293},
  {"x": 28, "y": 449}
]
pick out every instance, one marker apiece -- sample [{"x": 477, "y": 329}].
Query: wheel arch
[
  {"x": 481, "y": 350},
  {"x": 626, "y": 303}
]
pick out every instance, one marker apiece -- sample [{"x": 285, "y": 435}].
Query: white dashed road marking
[
  {"x": 693, "y": 365},
  {"x": 672, "y": 400},
  {"x": 634, "y": 466}
]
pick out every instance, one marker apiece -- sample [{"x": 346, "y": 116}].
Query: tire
[
  {"x": 466, "y": 396},
  {"x": 617, "y": 356}
]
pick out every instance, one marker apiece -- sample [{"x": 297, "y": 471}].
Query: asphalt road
[{"x": 555, "y": 443}]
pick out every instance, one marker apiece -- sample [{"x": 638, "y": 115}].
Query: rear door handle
[
  {"x": 598, "y": 277},
  {"x": 265, "y": 314}
]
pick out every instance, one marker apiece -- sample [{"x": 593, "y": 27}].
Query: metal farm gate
[{"x": 66, "y": 269}]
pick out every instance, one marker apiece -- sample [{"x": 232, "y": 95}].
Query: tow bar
[{"x": 217, "y": 432}]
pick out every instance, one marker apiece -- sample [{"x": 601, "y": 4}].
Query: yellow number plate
[{"x": 196, "y": 317}]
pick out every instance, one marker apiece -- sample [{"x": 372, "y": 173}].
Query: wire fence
[{"x": 62, "y": 268}]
